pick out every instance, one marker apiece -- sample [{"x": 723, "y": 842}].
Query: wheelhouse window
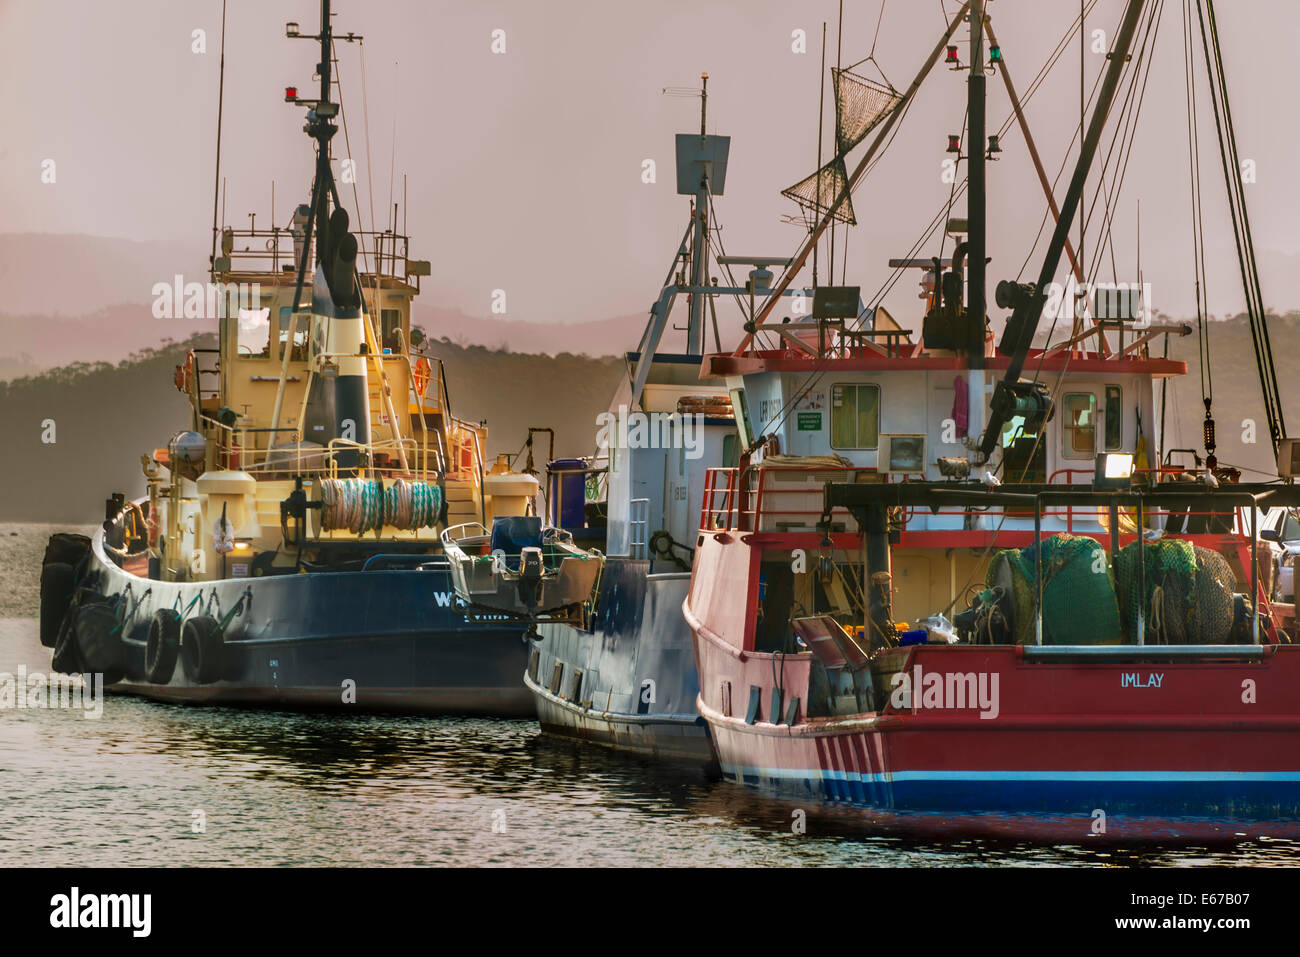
[
  {"x": 730, "y": 451},
  {"x": 1079, "y": 425},
  {"x": 299, "y": 353},
  {"x": 390, "y": 321},
  {"x": 855, "y": 416},
  {"x": 1114, "y": 417},
  {"x": 254, "y": 333},
  {"x": 742, "y": 420}
]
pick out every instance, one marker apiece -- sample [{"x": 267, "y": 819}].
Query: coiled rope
[{"x": 365, "y": 505}]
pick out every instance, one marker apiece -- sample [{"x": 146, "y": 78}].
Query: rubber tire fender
[
  {"x": 66, "y": 547},
  {"x": 58, "y": 583},
  {"x": 67, "y": 657},
  {"x": 99, "y": 639},
  {"x": 203, "y": 650},
  {"x": 163, "y": 647}
]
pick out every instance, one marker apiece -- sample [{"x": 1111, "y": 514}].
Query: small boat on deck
[{"x": 522, "y": 570}]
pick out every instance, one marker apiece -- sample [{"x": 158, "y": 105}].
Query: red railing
[
  {"x": 1153, "y": 516},
  {"x": 737, "y": 500}
]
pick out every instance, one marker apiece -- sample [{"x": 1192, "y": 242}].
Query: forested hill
[{"x": 105, "y": 416}]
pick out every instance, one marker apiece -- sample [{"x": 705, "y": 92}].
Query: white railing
[{"x": 638, "y": 526}]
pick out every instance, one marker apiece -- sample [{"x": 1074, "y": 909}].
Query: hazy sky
[{"x": 524, "y": 168}]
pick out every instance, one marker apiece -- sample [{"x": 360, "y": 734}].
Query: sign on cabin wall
[{"x": 810, "y": 421}]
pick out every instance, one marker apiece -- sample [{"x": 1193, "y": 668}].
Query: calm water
[{"x": 280, "y": 788}]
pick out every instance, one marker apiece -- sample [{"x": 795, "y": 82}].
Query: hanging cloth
[{"x": 960, "y": 405}]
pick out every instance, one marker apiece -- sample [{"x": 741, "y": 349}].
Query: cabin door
[
  {"x": 1091, "y": 421},
  {"x": 677, "y": 493}
]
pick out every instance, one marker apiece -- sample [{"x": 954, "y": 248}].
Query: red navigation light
[
  {"x": 952, "y": 56},
  {"x": 954, "y": 143},
  {"x": 290, "y": 94}
]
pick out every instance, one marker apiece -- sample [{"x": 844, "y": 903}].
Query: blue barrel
[{"x": 566, "y": 492}]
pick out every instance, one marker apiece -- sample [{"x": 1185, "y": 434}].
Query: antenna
[
  {"x": 839, "y": 48},
  {"x": 216, "y": 176},
  {"x": 821, "y": 112}
]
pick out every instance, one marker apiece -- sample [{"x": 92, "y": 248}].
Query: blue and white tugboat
[{"x": 287, "y": 551}]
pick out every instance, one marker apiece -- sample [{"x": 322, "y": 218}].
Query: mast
[
  {"x": 882, "y": 134},
  {"x": 1012, "y": 396},
  {"x": 976, "y": 198},
  {"x": 699, "y": 250},
  {"x": 216, "y": 177}
]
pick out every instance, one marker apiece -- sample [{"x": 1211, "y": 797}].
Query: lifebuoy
[
  {"x": 184, "y": 377},
  {"x": 164, "y": 645},
  {"x": 423, "y": 370},
  {"x": 202, "y": 650}
]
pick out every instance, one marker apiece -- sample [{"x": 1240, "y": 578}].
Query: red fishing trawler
[{"x": 956, "y": 595}]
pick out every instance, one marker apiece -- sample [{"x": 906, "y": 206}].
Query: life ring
[
  {"x": 164, "y": 645},
  {"x": 202, "y": 650},
  {"x": 423, "y": 370},
  {"x": 462, "y": 440},
  {"x": 184, "y": 377}
]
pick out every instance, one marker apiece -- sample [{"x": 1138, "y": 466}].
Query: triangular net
[
  {"x": 818, "y": 192},
  {"x": 859, "y": 105}
]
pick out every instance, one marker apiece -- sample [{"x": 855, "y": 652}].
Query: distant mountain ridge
[{"x": 88, "y": 298}]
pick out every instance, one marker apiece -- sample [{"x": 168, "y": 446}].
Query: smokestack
[{"x": 338, "y": 402}]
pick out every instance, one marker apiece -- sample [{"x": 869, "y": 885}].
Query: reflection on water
[{"x": 275, "y": 788}]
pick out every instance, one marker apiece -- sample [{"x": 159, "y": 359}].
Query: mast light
[{"x": 291, "y": 28}]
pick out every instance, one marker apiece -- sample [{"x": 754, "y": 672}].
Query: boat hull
[
  {"x": 639, "y": 682},
  {"x": 1120, "y": 738},
  {"x": 388, "y": 640}
]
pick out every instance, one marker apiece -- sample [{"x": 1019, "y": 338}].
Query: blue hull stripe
[{"x": 1271, "y": 794}]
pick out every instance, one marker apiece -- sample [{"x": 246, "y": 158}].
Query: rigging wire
[
  {"x": 940, "y": 217},
  {"x": 1194, "y": 180},
  {"x": 1227, "y": 140}
]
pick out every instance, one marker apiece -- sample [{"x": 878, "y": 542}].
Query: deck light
[{"x": 1114, "y": 470}]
